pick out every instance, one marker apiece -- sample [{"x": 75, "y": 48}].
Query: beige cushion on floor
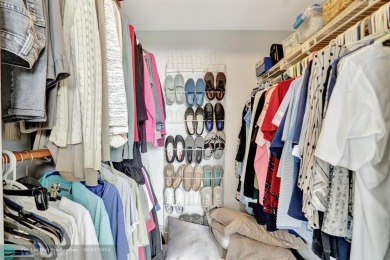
[
  {"x": 221, "y": 238},
  {"x": 232, "y": 221},
  {"x": 241, "y": 247}
]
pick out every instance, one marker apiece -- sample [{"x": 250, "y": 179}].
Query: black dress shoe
[
  {"x": 209, "y": 117},
  {"x": 219, "y": 116}
]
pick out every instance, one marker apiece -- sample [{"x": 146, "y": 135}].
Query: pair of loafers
[
  {"x": 219, "y": 112},
  {"x": 174, "y": 89},
  {"x": 218, "y": 91},
  {"x": 195, "y": 92},
  {"x": 175, "y": 149},
  {"x": 194, "y": 120},
  {"x": 194, "y": 149}
]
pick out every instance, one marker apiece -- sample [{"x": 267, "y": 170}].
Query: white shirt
[
  {"x": 356, "y": 135},
  {"x": 86, "y": 238}
]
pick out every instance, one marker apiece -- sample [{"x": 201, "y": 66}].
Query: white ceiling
[{"x": 170, "y": 15}]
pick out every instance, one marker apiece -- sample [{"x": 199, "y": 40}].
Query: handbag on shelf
[{"x": 276, "y": 53}]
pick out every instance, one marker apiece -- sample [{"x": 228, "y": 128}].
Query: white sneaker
[
  {"x": 207, "y": 198},
  {"x": 187, "y": 198},
  {"x": 179, "y": 198},
  {"x": 169, "y": 195},
  {"x": 217, "y": 197}
]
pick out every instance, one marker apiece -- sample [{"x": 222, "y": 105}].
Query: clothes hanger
[
  {"x": 27, "y": 237},
  {"x": 31, "y": 160},
  {"x": 112, "y": 178},
  {"x": 385, "y": 39},
  {"x": 12, "y": 165},
  {"x": 30, "y": 218},
  {"x": 11, "y": 169},
  {"x": 55, "y": 173},
  {"x": 11, "y": 240}
]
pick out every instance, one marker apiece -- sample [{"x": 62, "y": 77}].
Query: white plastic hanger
[
  {"x": 32, "y": 159},
  {"x": 12, "y": 165}
]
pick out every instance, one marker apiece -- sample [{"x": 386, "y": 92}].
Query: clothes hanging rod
[{"x": 29, "y": 155}]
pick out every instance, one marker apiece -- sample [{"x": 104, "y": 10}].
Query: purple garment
[{"x": 113, "y": 205}]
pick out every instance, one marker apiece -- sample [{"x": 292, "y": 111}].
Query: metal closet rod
[{"x": 29, "y": 155}]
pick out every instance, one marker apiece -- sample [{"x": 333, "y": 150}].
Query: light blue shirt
[{"x": 77, "y": 192}]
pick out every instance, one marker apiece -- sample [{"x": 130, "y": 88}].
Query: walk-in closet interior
[{"x": 195, "y": 130}]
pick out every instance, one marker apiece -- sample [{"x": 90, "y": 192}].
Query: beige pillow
[
  {"x": 246, "y": 225},
  {"x": 241, "y": 247}
]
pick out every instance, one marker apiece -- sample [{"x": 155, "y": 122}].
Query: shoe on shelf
[
  {"x": 169, "y": 196},
  {"x": 188, "y": 175},
  {"x": 186, "y": 218},
  {"x": 180, "y": 148},
  {"x": 197, "y": 219},
  {"x": 209, "y": 79},
  {"x": 199, "y": 121},
  {"x": 169, "y": 90},
  {"x": 207, "y": 198},
  {"x": 199, "y": 147},
  {"x": 197, "y": 175},
  {"x": 168, "y": 173},
  {"x": 189, "y": 120},
  {"x": 189, "y": 89},
  {"x": 200, "y": 91},
  {"x": 209, "y": 116},
  {"x": 219, "y": 112},
  {"x": 220, "y": 85},
  {"x": 219, "y": 145},
  {"x": 207, "y": 176},
  {"x": 190, "y": 149},
  {"x": 170, "y": 149},
  {"x": 209, "y": 145},
  {"x": 179, "y": 89},
  {"x": 217, "y": 197},
  {"x": 179, "y": 199},
  {"x": 218, "y": 175},
  {"x": 178, "y": 176}
]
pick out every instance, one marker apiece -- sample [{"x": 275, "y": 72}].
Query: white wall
[{"x": 240, "y": 51}]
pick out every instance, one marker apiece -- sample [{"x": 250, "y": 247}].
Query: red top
[
  {"x": 133, "y": 44},
  {"x": 267, "y": 127},
  {"x": 271, "y": 193}
]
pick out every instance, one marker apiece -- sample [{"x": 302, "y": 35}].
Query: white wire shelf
[
  {"x": 354, "y": 13},
  {"x": 172, "y": 68}
]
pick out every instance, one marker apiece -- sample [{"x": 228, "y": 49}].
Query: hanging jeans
[
  {"x": 24, "y": 76},
  {"x": 22, "y": 26}
]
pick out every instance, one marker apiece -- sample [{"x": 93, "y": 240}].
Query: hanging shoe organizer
[{"x": 195, "y": 141}]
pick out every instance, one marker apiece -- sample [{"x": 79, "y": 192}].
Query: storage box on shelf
[
  {"x": 291, "y": 44},
  {"x": 334, "y": 7},
  {"x": 312, "y": 24},
  {"x": 263, "y": 67},
  {"x": 273, "y": 72}
]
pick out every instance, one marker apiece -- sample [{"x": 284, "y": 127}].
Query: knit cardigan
[
  {"x": 78, "y": 111},
  {"x": 117, "y": 103}
]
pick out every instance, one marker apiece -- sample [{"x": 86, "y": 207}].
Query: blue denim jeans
[
  {"x": 24, "y": 90},
  {"x": 22, "y": 25}
]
